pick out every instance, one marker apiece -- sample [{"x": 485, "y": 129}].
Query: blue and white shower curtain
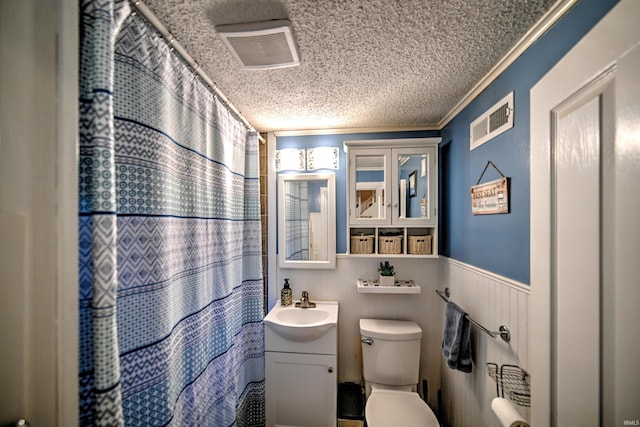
[{"x": 171, "y": 293}]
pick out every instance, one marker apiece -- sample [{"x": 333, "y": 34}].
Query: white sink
[{"x": 302, "y": 324}]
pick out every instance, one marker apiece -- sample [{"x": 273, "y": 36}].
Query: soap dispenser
[{"x": 286, "y": 294}]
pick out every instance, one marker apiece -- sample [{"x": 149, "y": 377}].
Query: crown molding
[
  {"x": 547, "y": 21},
  {"x": 340, "y": 131}
]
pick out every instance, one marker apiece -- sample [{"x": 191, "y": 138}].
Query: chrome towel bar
[{"x": 503, "y": 331}]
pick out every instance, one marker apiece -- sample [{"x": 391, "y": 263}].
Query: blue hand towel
[{"x": 456, "y": 339}]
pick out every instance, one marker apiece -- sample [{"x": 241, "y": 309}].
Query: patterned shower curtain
[{"x": 171, "y": 294}]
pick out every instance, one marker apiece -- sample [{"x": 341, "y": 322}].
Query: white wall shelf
[{"x": 370, "y": 286}]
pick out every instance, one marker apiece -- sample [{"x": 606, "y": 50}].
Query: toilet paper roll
[{"x": 507, "y": 414}]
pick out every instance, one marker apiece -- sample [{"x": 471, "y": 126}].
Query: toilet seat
[{"x": 392, "y": 408}]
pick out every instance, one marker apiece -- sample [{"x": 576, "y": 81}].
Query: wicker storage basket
[
  {"x": 420, "y": 245},
  {"x": 362, "y": 244},
  {"x": 390, "y": 245}
]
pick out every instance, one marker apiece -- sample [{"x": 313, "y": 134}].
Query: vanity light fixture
[
  {"x": 323, "y": 158},
  {"x": 298, "y": 159},
  {"x": 291, "y": 159}
]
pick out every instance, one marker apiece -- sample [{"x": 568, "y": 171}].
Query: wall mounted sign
[{"x": 491, "y": 197}]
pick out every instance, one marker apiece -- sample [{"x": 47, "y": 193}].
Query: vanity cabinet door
[{"x": 301, "y": 389}]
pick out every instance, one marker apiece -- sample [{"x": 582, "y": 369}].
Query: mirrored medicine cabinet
[
  {"x": 392, "y": 194},
  {"x": 306, "y": 221}
]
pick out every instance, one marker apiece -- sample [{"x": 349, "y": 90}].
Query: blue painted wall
[
  {"x": 310, "y": 141},
  {"x": 500, "y": 243}
]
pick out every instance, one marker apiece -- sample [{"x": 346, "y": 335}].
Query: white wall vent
[
  {"x": 492, "y": 123},
  {"x": 261, "y": 45}
]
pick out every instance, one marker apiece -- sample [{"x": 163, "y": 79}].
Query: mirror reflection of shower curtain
[{"x": 297, "y": 220}]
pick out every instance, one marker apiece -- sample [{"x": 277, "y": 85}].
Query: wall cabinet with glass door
[{"x": 393, "y": 197}]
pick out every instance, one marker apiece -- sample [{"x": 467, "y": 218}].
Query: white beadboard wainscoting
[
  {"x": 340, "y": 285},
  {"x": 491, "y": 300}
]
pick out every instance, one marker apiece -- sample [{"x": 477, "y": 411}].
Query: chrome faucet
[{"x": 304, "y": 301}]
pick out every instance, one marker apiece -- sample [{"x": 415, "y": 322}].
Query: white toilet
[{"x": 390, "y": 365}]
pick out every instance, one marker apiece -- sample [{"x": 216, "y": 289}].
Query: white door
[
  {"x": 585, "y": 175},
  {"x": 38, "y": 212}
]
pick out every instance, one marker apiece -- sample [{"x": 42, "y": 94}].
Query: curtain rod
[{"x": 176, "y": 46}]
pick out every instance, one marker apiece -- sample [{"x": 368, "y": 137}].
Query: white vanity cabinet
[
  {"x": 301, "y": 365},
  {"x": 301, "y": 389},
  {"x": 393, "y": 197}
]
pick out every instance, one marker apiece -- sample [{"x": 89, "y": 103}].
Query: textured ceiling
[{"x": 365, "y": 63}]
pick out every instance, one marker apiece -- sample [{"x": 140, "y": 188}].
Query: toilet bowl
[
  {"x": 393, "y": 408},
  {"x": 390, "y": 366}
]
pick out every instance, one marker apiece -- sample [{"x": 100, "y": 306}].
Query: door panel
[{"x": 576, "y": 180}]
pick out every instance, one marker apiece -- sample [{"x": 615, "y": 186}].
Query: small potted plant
[{"x": 386, "y": 274}]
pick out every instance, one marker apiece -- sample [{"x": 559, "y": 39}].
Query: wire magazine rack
[{"x": 511, "y": 381}]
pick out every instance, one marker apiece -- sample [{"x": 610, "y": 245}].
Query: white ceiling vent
[
  {"x": 492, "y": 123},
  {"x": 261, "y": 45}
]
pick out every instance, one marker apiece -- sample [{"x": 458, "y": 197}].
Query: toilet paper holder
[{"x": 512, "y": 382}]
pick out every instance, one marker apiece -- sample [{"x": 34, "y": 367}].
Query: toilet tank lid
[{"x": 393, "y": 330}]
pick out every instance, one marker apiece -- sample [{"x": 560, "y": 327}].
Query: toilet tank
[{"x": 393, "y": 356}]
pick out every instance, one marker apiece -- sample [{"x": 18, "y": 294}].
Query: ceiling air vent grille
[
  {"x": 493, "y": 122},
  {"x": 261, "y": 45}
]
